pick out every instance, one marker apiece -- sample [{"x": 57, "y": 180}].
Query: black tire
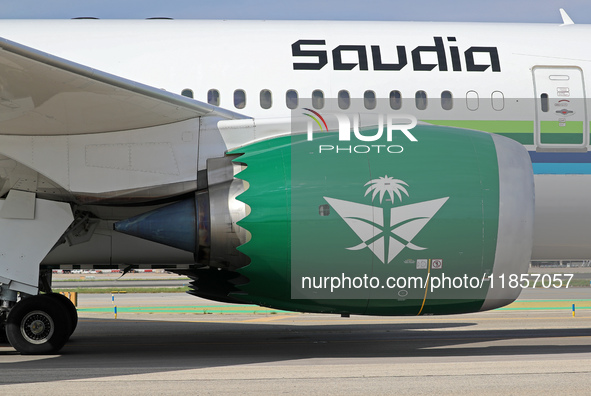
[
  {"x": 3, "y": 338},
  {"x": 37, "y": 326},
  {"x": 70, "y": 309}
]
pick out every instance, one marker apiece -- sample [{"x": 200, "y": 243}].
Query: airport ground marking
[{"x": 526, "y": 305}]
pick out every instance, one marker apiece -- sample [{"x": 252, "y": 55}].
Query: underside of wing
[{"x": 43, "y": 95}]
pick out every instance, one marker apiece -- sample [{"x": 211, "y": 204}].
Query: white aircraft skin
[
  {"x": 256, "y": 55},
  {"x": 99, "y": 154}
]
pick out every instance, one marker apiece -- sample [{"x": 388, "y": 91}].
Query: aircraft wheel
[
  {"x": 37, "y": 325},
  {"x": 70, "y": 309},
  {"x": 3, "y": 338}
]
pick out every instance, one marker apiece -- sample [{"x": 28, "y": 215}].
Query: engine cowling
[{"x": 386, "y": 228}]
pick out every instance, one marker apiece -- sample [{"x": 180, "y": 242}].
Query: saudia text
[{"x": 316, "y": 50}]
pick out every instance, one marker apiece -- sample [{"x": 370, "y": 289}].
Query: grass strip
[
  {"x": 109, "y": 290},
  {"x": 199, "y": 310}
]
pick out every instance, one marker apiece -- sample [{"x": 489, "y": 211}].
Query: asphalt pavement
[{"x": 168, "y": 348}]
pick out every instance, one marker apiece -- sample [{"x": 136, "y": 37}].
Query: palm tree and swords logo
[{"x": 386, "y": 229}]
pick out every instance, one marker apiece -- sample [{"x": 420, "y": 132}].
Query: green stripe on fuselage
[
  {"x": 520, "y": 131},
  {"x": 523, "y": 138},
  {"x": 571, "y": 132},
  {"x": 492, "y": 126},
  {"x": 572, "y": 127}
]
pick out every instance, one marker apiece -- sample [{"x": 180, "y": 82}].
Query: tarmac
[{"x": 171, "y": 343}]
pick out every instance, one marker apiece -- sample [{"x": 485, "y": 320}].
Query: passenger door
[{"x": 561, "y": 117}]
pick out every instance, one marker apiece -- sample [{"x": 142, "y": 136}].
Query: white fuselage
[{"x": 256, "y": 56}]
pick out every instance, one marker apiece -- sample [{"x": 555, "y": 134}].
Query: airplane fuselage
[
  {"x": 489, "y": 77},
  {"x": 376, "y": 168}
]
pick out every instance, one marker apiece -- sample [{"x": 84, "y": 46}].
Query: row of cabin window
[{"x": 344, "y": 99}]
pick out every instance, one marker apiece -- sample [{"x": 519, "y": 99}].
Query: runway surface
[{"x": 527, "y": 350}]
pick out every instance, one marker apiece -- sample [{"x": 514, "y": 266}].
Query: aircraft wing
[{"x": 43, "y": 95}]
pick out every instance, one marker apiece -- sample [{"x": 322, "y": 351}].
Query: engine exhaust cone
[{"x": 173, "y": 225}]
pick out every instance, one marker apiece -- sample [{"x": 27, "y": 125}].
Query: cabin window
[
  {"x": 497, "y": 100},
  {"x": 544, "y": 102},
  {"x": 213, "y": 97},
  {"x": 266, "y": 99},
  {"x": 239, "y": 99},
  {"x": 291, "y": 99},
  {"x": 447, "y": 100},
  {"x": 395, "y": 100},
  {"x": 472, "y": 100},
  {"x": 421, "y": 100},
  {"x": 369, "y": 100},
  {"x": 317, "y": 99},
  {"x": 344, "y": 99},
  {"x": 187, "y": 92}
]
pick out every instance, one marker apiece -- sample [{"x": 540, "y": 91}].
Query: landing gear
[
  {"x": 38, "y": 325},
  {"x": 7, "y": 300}
]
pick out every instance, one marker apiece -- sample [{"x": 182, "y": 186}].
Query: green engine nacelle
[
  {"x": 386, "y": 227},
  {"x": 399, "y": 227}
]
